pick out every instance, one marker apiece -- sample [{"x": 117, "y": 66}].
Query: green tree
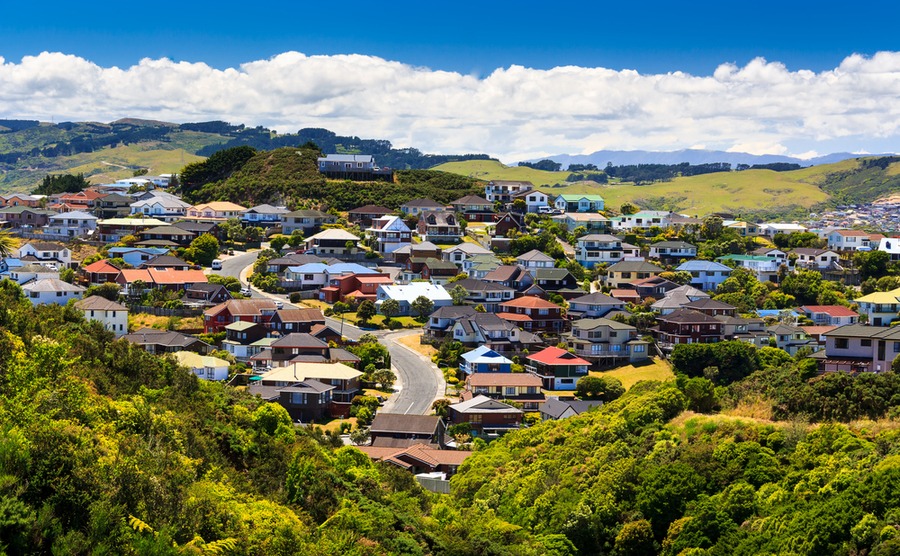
[
  {"x": 458, "y": 294},
  {"x": 635, "y": 539},
  {"x": 385, "y": 377},
  {"x": 390, "y": 308},
  {"x": 871, "y": 263},
  {"x": 422, "y": 307},
  {"x": 366, "y": 311},
  {"x": 628, "y": 208},
  {"x": 203, "y": 250},
  {"x": 8, "y": 244}
]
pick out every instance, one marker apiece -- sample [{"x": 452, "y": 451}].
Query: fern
[{"x": 140, "y": 526}]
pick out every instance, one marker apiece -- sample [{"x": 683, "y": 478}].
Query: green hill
[{"x": 850, "y": 181}]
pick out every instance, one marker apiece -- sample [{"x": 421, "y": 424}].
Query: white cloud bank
[{"x": 514, "y": 112}]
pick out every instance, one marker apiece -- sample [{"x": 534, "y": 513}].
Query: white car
[{"x": 246, "y": 291}]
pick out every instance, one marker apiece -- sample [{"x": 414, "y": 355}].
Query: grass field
[
  {"x": 493, "y": 170},
  {"x": 103, "y": 166},
  {"x": 631, "y": 374},
  {"x": 693, "y": 195}
]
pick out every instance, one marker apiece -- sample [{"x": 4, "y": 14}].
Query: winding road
[{"x": 419, "y": 381}]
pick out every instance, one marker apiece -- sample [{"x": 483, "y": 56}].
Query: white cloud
[{"x": 513, "y": 112}]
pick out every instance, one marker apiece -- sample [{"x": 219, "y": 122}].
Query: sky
[{"x": 514, "y": 79}]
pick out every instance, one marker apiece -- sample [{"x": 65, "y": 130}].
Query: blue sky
[
  {"x": 513, "y": 79},
  {"x": 463, "y": 36}
]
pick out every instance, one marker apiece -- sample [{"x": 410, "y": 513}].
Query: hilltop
[
  {"x": 850, "y": 181},
  {"x": 29, "y": 149}
]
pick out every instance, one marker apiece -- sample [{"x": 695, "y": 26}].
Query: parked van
[{"x": 217, "y": 264}]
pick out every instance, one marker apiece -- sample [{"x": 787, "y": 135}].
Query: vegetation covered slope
[
  {"x": 105, "y": 449},
  {"x": 291, "y": 176}
]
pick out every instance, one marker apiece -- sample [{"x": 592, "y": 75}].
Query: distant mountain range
[{"x": 691, "y": 156}]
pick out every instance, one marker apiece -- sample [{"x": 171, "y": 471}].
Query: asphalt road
[{"x": 419, "y": 382}]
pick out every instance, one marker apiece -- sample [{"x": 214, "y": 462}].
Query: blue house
[
  {"x": 706, "y": 275},
  {"x": 484, "y": 360}
]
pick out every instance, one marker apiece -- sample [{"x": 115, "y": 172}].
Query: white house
[
  {"x": 32, "y": 272},
  {"x": 673, "y": 250},
  {"x": 765, "y": 268},
  {"x": 705, "y": 275},
  {"x": 333, "y": 241},
  {"x": 593, "y": 249},
  {"x": 71, "y": 224},
  {"x": 112, "y": 315},
  {"x": 263, "y": 215},
  {"x": 505, "y": 190},
  {"x": 535, "y": 259},
  {"x": 389, "y": 233},
  {"x": 165, "y": 207},
  {"x": 316, "y": 275},
  {"x": 591, "y": 221},
  {"x": 641, "y": 220},
  {"x": 891, "y": 246},
  {"x": 135, "y": 256},
  {"x": 206, "y": 367},
  {"x": 815, "y": 258},
  {"x": 849, "y": 240},
  {"x": 461, "y": 253},
  {"x": 51, "y": 290},
  {"x": 772, "y": 228},
  {"x": 405, "y": 294},
  {"x": 46, "y": 252},
  {"x": 579, "y": 203},
  {"x": 217, "y": 210},
  {"x": 536, "y": 201}
]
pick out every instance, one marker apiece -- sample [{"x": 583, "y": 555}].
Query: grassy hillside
[
  {"x": 493, "y": 170},
  {"x": 724, "y": 191}
]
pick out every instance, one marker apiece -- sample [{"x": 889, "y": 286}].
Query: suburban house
[
  {"x": 856, "y": 348},
  {"x": 459, "y": 254},
  {"x": 439, "y": 226},
  {"x": 705, "y": 275},
  {"x": 673, "y": 250},
  {"x": 711, "y": 307},
  {"x": 593, "y": 305},
  {"x": 829, "y": 315},
  {"x": 364, "y": 216},
  {"x": 407, "y": 293},
  {"x": 533, "y": 314},
  {"x": 157, "y": 341},
  {"x": 487, "y": 294},
  {"x": 815, "y": 259},
  {"x": 507, "y": 222},
  {"x": 850, "y": 240},
  {"x": 355, "y": 167},
  {"x": 251, "y": 310},
  {"x": 625, "y": 272},
  {"x": 426, "y": 463},
  {"x": 167, "y": 208},
  {"x": 299, "y": 346},
  {"x": 286, "y": 321},
  {"x": 607, "y": 342},
  {"x": 389, "y": 233},
  {"x": 518, "y": 388},
  {"x": 398, "y": 430},
  {"x": 32, "y": 272},
  {"x": 553, "y": 280},
  {"x": 488, "y": 417},
  {"x": 490, "y": 331},
  {"x": 655, "y": 287},
  {"x": 474, "y": 208},
  {"x": 306, "y": 221},
  {"x": 19, "y": 200},
  {"x": 484, "y": 360},
  {"x": 305, "y": 400},
  {"x": 558, "y": 408},
  {"x": 343, "y": 378},
  {"x": 535, "y": 259},
  {"x": 240, "y": 338},
  {"x": 438, "y": 271},
  {"x": 206, "y": 367},
  {"x": 880, "y": 308},
  {"x": 319, "y": 275},
  {"x": 99, "y": 272},
  {"x": 592, "y": 222},
  {"x": 421, "y": 250},
  {"x": 536, "y": 201},
  {"x": 279, "y": 265},
  {"x": 113, "y": 316},
  {"x": 765, "y": 268},
  {"x": 51, "y": 290},
  {"x": 205, "y": 295},
  {"x": 511, "y": 276},
  {"x": 416, "y": 207},
  {"x": 166, "y": 236},
  {"x": 333, "y": 242},
  {"x": 643, "y": 220},
  {"x": 772, "y": 228},
  {"x": 262, "y": 215},
  {"x": 505, "y": 191},
  {"x": 579, "y": 203},
  {"x": 113, "y": 205},
  {"x": 215, "y": 210},
  {"x": 593, "y": 249},
  {"x": 891, "y": 246},
  {"x": 686, "y": 326},
  {"x": 744, "y": 229},
  {"x": 440, "y": 322},
  {"x": 478, "y": 266},
  {"x": 353, "y": 286},
  {"x": 71, "y": 224},
  {"x": 791, "y": 338},
  {"x": 25, "y": 217},
  {"x": 113, "y": 230},
  {"x": 135, "y": 256},
  {"x": 45, "y": 252},
  {"x": 159, "y": 278},
  {"x": 557, "y": 368}
]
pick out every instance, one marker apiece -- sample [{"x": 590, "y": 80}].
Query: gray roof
[
  {"x": 346, "y": 158},
  {"x": 398, "y": 422},
  {"x": 597, "y": 298},
  {"x": 634, "y": 266},
  {"x": 555, "y": 407},
  {"x": 590, "y": 324}
]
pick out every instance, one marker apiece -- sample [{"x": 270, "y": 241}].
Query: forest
[{"x": 105, "y": 449}]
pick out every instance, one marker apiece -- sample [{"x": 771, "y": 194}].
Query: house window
[
  {"x": 841, "y": 343},
  {"x": 509, "y": 391},
  {"x": 639, "y": 348},
  {"x": 865, "y": 343}
]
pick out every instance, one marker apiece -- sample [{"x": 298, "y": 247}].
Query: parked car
[{"x": 246, "y": 291}]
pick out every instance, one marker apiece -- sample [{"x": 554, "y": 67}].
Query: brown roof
[
  {"x": 242, "y": 307},
  {"x": 300, "y": 315},
  {"x": 398, "y": 422},
  {"x": 530, "y": 301},
  {"x": 421, "y": 452}
]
